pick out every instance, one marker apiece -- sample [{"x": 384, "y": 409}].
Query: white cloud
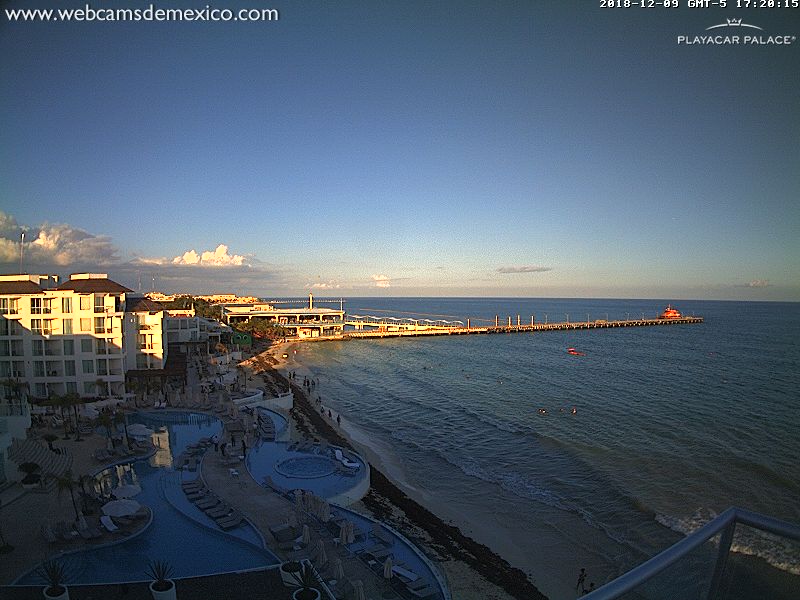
[
  {"x": 329, "y": 285},
  {"x": 54, "y": 245},
  {"x": 524, "y": 269},
  {"x": 381, "y": 281},
  {"x": 757, "y": 283},
  {"x": 220, "y": 257}
]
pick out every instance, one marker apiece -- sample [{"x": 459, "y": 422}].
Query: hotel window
[
  {"x": 99, "y": 304},
  {"x": 9, "y": 306},
  {"x": 47, "y": 306},
  {"x": 17, "y": 348},
  {"x": 36, "y": 306},
  {"x": 72, "y": 387},
  {"x": 38, "y": 368},
  {"x": 5, "y": 369},
  {"x": 37, "y": 347},
  {"x": 86, "y": 345},
  {"x": 18, "y": 368},
  {"x": 5, "y": 348},
  {"x": 36, "y": 326},
  {"x": 47, "y": 326},
  {"x": 102, "y": 366},
  {"x": 67, "y": 326},
  {"x": 69, "y": 368},
  {"x": 141, "y": 361},
  {"x": 88, "y": 367},
  {"x": 69, "y": 347},
  {"x": 99, "y": 325},
  {"x": 41, "y": 390},
  {"x": 88, "y": 387},
  {"x": 100, "y": 346},
  {"x": 66, "y": 305},
  {"x": 86, "y": 302},
  {"x": 86, "y": 324},
  {"x": 4, "y": 327}
]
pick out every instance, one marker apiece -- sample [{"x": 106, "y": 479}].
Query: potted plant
[
  {"x": 162, "y": 587},
  {"x": 290, "y": 570},
  {"x": 54, "y": 575},
  {"x": 307, "y": 581}
]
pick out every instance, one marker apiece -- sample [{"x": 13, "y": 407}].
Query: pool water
[
  {"x": 306, "y": 466},
  {"x": 191, "y": 548}
]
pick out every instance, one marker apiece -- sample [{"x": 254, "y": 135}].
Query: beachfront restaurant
[{"x": 304, "y": 321}]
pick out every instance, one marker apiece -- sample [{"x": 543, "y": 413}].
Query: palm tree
[
  {"x": 102, "y": 387},
  {"x": 50, "y": 438},
  {"x": 67, "y": 482},
  {"x": 106, "y": 420},
  {"x": 73, "y": 399},
  {"x": 61, "y": 402}
]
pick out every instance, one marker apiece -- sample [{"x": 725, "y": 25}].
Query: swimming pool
[{"x": 190, "y": 547}]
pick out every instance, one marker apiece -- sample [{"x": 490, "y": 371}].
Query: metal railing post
[{"x": 725, "y": 541}]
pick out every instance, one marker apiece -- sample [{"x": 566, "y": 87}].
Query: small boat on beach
[
  {"x": 670, "y": 313},
  {"x": 574, "y": 352}
]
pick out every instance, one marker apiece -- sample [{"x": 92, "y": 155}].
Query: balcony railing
[{"x": 707, "y": 575}]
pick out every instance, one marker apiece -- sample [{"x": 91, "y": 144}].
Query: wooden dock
[{"x": 561, "y": 326}]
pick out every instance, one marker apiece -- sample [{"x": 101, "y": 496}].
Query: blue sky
[{"x": 547, "y": 148}]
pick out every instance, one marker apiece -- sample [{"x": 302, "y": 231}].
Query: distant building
[{"x": 300, "y": 321}]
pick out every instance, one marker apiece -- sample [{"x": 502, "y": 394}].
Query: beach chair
[
  {"x": 207, "y": 503},
  {"x": 425, "y": 592},
  {"x": 378, "y": 532},
  {"x": 233, "y": 520},
  {"x": 219, "y": 512}
]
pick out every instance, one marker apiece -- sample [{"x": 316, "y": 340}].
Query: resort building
[
  {"x": 303, "y": 322},
  {"x": 86, "y": 336}
]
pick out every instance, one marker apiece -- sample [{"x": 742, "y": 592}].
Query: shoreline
[{"x": 472, "y": 569}]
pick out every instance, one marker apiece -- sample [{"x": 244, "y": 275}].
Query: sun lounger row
[{"x": 223, "y": 514}]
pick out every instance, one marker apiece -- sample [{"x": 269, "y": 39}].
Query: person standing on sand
[
  {"x": 339, "y": 420},
  {"x": 215, "y": 441},
  {"x": 581, "y": 579}
]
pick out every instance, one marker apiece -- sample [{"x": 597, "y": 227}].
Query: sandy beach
[{"x": 472, "y": 569}]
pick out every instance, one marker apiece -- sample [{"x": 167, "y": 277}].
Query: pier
[{"x": 396, "y": 328}]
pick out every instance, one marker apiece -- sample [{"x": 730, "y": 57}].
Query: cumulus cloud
[
  {"x": 381, "y": 281},
  {"x": 328, "y": 285},
  {"x": 219, "y": 257},
  {"x": 524, "y": 269},
  {"x": 757, "y": 283},
  {"x": 58, "y": 245}
]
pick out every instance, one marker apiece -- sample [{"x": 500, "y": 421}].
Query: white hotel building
[{"x": 82, "y": 336}]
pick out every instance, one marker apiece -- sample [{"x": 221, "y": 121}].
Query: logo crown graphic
[{"x": 734, "y": 21}]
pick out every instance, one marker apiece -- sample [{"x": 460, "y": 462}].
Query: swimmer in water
[{"x": 574, "y": 411}]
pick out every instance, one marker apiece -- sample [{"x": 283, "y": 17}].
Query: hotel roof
[
  {"x": 141, "y": 304},
  {"x": 19, "y": 287},
  {"x": 94, "y": 286}
]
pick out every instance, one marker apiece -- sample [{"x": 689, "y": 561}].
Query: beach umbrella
[
  {"x": 322, "y": 556},
  {"x": 120, "y": 508},
  {"x": 338, "y": 569},
  {"x": 128, "y": 490},
  {"x": 358, "y": 586},
  {"x": 343, "y": 532},
  {"x": 387, "y": 568},
  {"x": 325, "y": 511},
  {"x": 306, "y": 538}
]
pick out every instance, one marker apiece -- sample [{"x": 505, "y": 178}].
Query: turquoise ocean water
[{"x": 673, "y": 425}]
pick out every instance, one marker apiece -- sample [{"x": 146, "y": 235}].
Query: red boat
[
  {"x": 670, "y": 313},
  {"x": 575, "y": 352}
]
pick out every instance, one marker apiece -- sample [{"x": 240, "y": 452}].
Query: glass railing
[{"x": 738, "y": 555}]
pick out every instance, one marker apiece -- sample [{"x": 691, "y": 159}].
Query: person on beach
[
  {"x": 330, "y": 416},
  {"x": 215, "y": 441},
  {"x": 222, "y": 448},
  {"x": 244, "y": 446},
  {"x": 339, "y": 420},
  {"x": 581, "y": 579}
]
